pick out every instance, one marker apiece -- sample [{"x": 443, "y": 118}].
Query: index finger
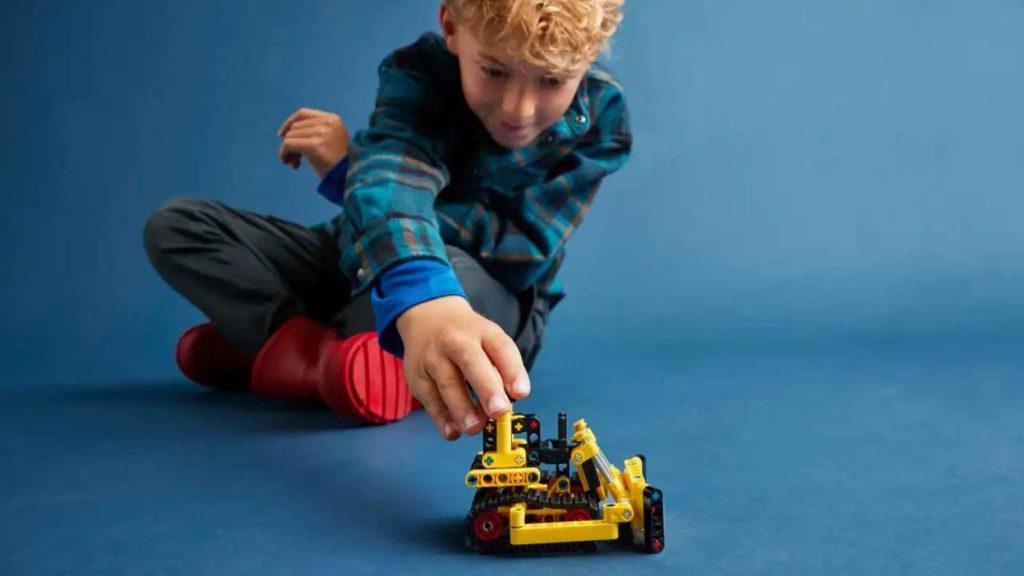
[
  {"x": 505, "y": 356},
  {"x": 297, "y": 115},
  {"x": 485, "y": 380}
]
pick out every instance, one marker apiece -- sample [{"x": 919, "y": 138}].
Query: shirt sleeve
[
  {"x": 332, "y": 187},
  {"x": 395, "y": 172},
  {"x": 404, "y": 286}
]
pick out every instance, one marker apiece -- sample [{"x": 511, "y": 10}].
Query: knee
[
  {"x": 469, "y": 272},
  {"x": 173, "y": 217},
  {"x": 458, "y": 257},
  {"x": 486, "y": 294}
]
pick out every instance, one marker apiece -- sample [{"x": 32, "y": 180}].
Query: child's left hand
[{"x": 319, "y": 136}]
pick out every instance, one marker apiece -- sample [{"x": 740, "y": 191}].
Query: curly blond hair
[{"x": 560, "y": 36}]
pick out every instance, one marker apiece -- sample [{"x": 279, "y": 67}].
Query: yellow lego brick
[
  {"x": 522, "y": 533},
  {"x": 551, "y": 532},
  {"x": 502, "y": 477},
  {"x": 512, "y": 459}
]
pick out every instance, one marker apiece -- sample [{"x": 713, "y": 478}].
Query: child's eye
[
  {"x": 492, "y": 72},
  {"x": 551, "y": 82}
]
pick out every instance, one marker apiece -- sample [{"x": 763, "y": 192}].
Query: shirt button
[
  {"x": 361, "y": 275},
  {"x": 581, "y": 119}
]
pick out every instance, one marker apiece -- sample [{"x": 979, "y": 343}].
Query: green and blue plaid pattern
[{"x": 425, "y": 174}]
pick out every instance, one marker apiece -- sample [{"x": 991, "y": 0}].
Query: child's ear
[{"x": 447, "y": 27}]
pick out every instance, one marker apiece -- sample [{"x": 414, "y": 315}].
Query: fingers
[
  {"x": 300, "y": 114},
  {"x": 505, "y": 356},
  {"x": 447, "y": 345},
  {"x": 308, "y": 131},
  {"x": 474, "y": 364},
  {"x": 318, "y": 135},
  {"x": 435, "y": 407},
  {"x": 308, "y": 117},
  {"x": 323, "y": 123},
  {"x": 298, "y": 145},
  {"x": 452, "y": 387},
  {"x": 290, "y": 156},
  {"x": 285, "y": 152}
]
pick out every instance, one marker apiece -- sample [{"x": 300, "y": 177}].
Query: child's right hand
[
  {"x": 318, "y": 135},
  {"x": 446, "y": 344}
]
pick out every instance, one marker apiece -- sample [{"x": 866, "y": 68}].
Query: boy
[{"x": 483, "y": 153}]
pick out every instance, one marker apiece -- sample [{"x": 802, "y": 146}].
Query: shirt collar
[{"x": 574, "y": 123}]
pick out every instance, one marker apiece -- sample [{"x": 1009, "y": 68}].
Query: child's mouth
[{"x": 513, "y": 128}]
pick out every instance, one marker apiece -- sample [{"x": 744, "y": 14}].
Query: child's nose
[{"x": 519, "y": 102}]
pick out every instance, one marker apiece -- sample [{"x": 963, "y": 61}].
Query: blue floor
[
  {"x": 789, "y": 460},
  {"x": 802, "y": 171}
]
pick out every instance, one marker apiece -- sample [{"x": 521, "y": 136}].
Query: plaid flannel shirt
[{"x": 425, "y": 173}]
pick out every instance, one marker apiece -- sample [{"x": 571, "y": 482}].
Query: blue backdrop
[
  {"x": 803, "y": 297},
  {"x": 802, "y": 170}
]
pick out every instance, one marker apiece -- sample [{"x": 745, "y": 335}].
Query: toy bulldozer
[{"x": 520, "y": 508}]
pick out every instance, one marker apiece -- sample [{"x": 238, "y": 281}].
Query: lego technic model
[{"x": 520, "y": 508}]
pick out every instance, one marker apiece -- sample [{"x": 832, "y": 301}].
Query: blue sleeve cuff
[
  {"x": 332, "y": 187},
  {"x": 410, "y": 283}
]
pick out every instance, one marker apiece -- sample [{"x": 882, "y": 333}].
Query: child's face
[{"x": 514, "y": 101}]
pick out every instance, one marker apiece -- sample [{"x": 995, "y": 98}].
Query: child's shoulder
[
  {"x": 600, "y": 77},
  {"x": 428, "y": 55},
  {"x": 602, "y": 98}
]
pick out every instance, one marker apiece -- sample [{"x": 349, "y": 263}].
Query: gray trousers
[{"x": 250, "y": 273}]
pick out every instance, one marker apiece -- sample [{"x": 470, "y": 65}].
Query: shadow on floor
[{"x": 231, "y": 409}]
